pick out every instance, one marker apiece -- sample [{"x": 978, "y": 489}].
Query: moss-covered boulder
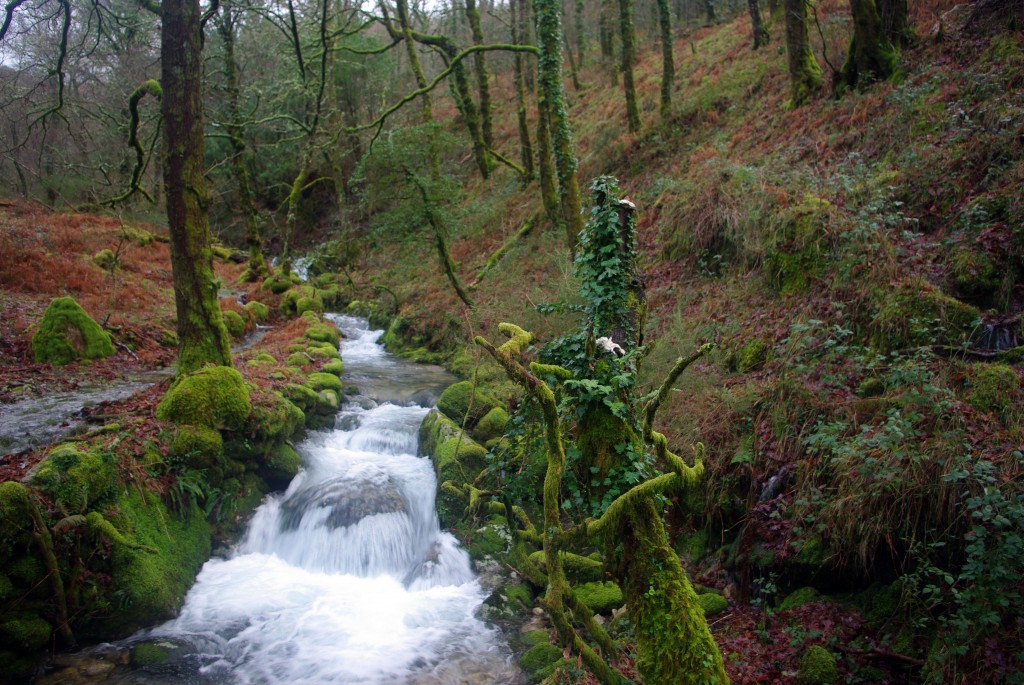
[
  {"x": 322, "y": 332},
  {"x": 798, "y": 598},
  {"x": 274, "y": 417},
  {"x": 263, "y": 359},
  {"x": 322, "y": 353},
  {"x": 324, "y": 381},
  {"x": 215, "y": 397},
  {"x": 335, "y": 367},
  {"x": 75, "y": 479},
  {"x": 197, "y": 447},
  {"x": 491, "y": 426},
  {"x": 15, "y": 515},
  {"x": 793, "y": 255},
  {"x": 301, "y": 299},
  {"x": 327, "y": 402},
  {"x": 601, "y": 597},
  {"x": 24, "y": 631},
  {"x": 301, "y": 395},
  {"x": 712, "y": 603},
  {"x": 539, "y": 658},
  {"x": 817, "y": 667},
  {"x": 974, "y": 274},
  {"x": 280, "y": 465},
  {"x": 277, "y": 283},
  {"x": 462, "y": 401},
  {"x": 66, "y": 333},
  {"x": 993, "y": 387},
  {"x": 257, "y": 311},
  {"x": 234, "y": 323},
  {"x": 105, "y": 259},
  {"x": 916, "y": 313},
  {"x": 456, "y": 458},
  {"x": 578, "y": 569}
]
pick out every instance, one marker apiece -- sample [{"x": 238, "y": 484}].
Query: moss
[
  {"x": 168, "y": 338},
  {"x": 578, "y": 569},
  {"x": 75, "y": 479},
  {"x": 712, "y": 603},
  {"x": 325, "y": 353},
  {"x": 793, "y": 257},
  {"x": 302, "y": 396},
  {"x": 24, "y": 631},
  {"x": 274, "y": 417},
  {"x": 798, "y": 598},
  {"x": 280, "y": 465},
  {"x": 152, "y": 573},
  {"x": 456, "y": 457},
  {"x": 198, "y": 446},
  {"x": 600, "y": 597},
  {"x": 5, "y": 587},
  {"x": 66, "y": 333},
  {"x": 327, "y": 402},
  {"x": 27, "y": 570},
  {"x": 695, "y": 546},
  {"x": 235, "y": 323},
  {"x": 105, "y": 259},
  {"x": 140, "y": 236},
  {"x": 257, "y": 311},
  {"x": 751, "y": 356},
  {"x": 491, "y": 426},
  {"x": 335, "y": 367},
  {"x": 263, "y": 359},
  {"x": 150, "y": 654},
  {"x": 15, "y": 516},
  {"x": 817, "y": 667},
  {"x": 298, "y": 359},
  {"x": 539, "y": 656},
  {"x": 974, "y": 274},
  {"x": 324, "y": 381},
  {"x": 322, "y": 332},
  {"x": 277, "y": 283},
  {"x": 489, "y": 541},
  {"x": 520, "y": 594},
  {"x": 460, "y": 400},
  {"x": 535, "y": 637},
  {"x": 301, "y": 299},
  {"x": 215, "y": 397},
  {"x": 993, "y": 387},
  {"x": 871, "y": 387},
  {"x": 915, "y": 313}
]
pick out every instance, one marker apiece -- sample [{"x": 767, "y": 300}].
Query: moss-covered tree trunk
[
  {"x": 548, "y": 17},
  {"x": 519, "y": 37},
  {"x": 426, "y": 105},
  {"x": 628, "y": 33},
  {"x": 546, "y": 165},
  {"x": 895, "y": 22},
  {"x": 202, "y": 336},
  {"x": 668, "y": 64},
  {"x": 871, "y": 57},
  {"x": 757, "y": 24},
  {"x": 235, "y": 131},
  {"x": 606, "y": 35},
  {"x": 709, "y": 10},
  {"x": 482, "y": 75},
  {"x": 804, "y": 71},
  {"x": 581, "y": 33}
]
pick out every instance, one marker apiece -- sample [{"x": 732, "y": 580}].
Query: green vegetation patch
[
  {"x": 600, "y": 597},
  {"x": 993, "y": 388},
  {"x": 817, "y": 667},
  {"x": 66, "y": 333},
  {"x": 460, "y": 400},
  {"x": 235, "y": 323},
  {"x": 916, "y": 313},
  {"x": 24, "y": 631},
  {"x": 578, "y": 569},
  {"x": 324, "y": 381},
  {"x": 798, "y": 598},
  {"x": 257, "y": 311},
  {"x": 215, "y": 397},
  {"x": 76, "y": 479},
  {"x": 491, "y": 426},
  {"x": 712, "y": 603},
  {"x": 540, "y": 656}
]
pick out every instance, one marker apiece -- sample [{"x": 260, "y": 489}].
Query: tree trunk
[
  {"x": 628, "y": 34},
  {"x": 607, "y": 36},
  {"x": 581, "y": 36},
  {"x": 804, "y": 71},
  {"x": 548, "y": 15},
  {"x": 709, "y": 9},
  {"x": 895, "y": 22},
  {"x": 482, "y": 76},
  {"x": 871, "y": 57},
  {"x": 546, "y": 164},
  {"x": 757, "y": 24},
  {"x": 202, "y": 336},
  {"x": 519, "y": 37},
  {"x": 668, "y": 65}
]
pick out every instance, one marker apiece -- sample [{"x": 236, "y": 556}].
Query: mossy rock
[
  {"x": 752, "y": 356},
  {"x": 539, "y": 656},
  {"x": 76, "y": 479},
  {"x": 15, "y": 512},
  {"x": 335, "y": 367},
  {"x": 235, "y": 323},
  {"x": 322, "y": 332},
  {"x": 491, "y": 426},
  {"x": 323, "y": 353},
  {"x": 461, "y": 401},
  {"x": 327, "y": 402},
  {"x": 492, "y": 540},
  {"x": 155, "y": 556},
  {"x": 535, "y": 637},
  {"x": 215, "y": 397},
  {"x": 66, "y": 333},
  {"x": 263, "y": 359},
  {"x": 140, "y": 236},
  {"x": 578, "y": 569},
  {"x": 974, "y": 274},
  {"x": 274, "y": 417},
  {"x": 324, "y": 381},
  {"x": 302, "y": 396},
  {"x": 150, "y": 654},
  {"x": 257, "y": 311},
  {"x": 199, "y": 447},
  {"x": 993, "y": 388},
  {"x": 280, "y": 466},
  {"x": 168, "y": 338},
  {"x": 817, "y": 667},
  {"x": 298, "y": 360},
  {"x": 24, "y": 631},
  {"x": 301, "y": 299},
  {"x": 600, "y": 597},
  {"x": 105, "y": 259},
  {"x": 712, "y": 603},
  {"x": 915, "y": 313},
  {"x": 277, "y": 283},
  {"x": 456, "y": 457},
  {"x": 793, "y": 256},
  {"x": 798, "y": 598}
]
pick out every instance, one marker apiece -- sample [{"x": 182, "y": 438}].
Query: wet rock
[{"x": 349, "y": 500}]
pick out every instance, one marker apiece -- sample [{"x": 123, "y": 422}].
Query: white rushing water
[{"x": 346, "y": 577}]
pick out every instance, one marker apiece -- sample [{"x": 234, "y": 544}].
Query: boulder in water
[{"x": 350, "y": 499}]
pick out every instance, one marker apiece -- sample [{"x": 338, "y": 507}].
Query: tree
[
  {"x": 482, "y": 75},
  {"x": 804, "y": 72},
  {"x": 871, "y": 56},
  {"x": 202, "y": 336},
  {"x": 628, "y": 33},
  {"x": 668, "y": 65},
  {"x": 757, "y": 24}
]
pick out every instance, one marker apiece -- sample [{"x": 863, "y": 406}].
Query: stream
[{"x": 346, "y": 576}]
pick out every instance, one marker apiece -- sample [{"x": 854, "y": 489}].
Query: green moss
[
  {"x": 324, "y": 353},
  {"x": 695, "y": 546},
  {"x": 712, "y": 603},
  {"x": 27, "y": 571},
  {"x": 302, "y": 396},
  {"x": 535, "y": 637},
  {"x": 257, "y": 311},
  {"x": 280, "y": 465},
  {"x": 298, "y": 359},
  {"x": 198, "y": 446},
  {"x": 15, "y": 516},
  {"x": 140, "y": 236},
  {"x": 274, "y": 417},
  {"x": 491, "y": 426},
  {"x": 5, "y": 587},
  {"x": 66, "y": 333},
  {"x": 335, "y": 367},
  {"x": 235, "y": 323},
  {"x": 215, "y": 397},
  {"x": 817, "y": 667},
  {"x": 150, "y": 654},
  {"x": 539, "y": 656},
  {"x": 601, "y": 597},
  {"x": 519, "y": 594},
  {"x": 324, "y": 381},
  {"x": 489, "y": 541},
  {"x": 105, "y": 259},
  {"x": 460, "y": 400},
  {"x": 793, "y": 257},
  {"x": 263, "y": 359},
  {"x": 168, "y": 338},
  {"x": 327, "y": 402},
  {"x": 322, "y": 332},
  {"x": 916, "y": 313},
  {"x": 974, "y": 273},
  {"x": 75, "y": 479},
  {"x": 152, "y": 573},
  {"x": 871, "y": 387},
  {"x": 301, "y": 299},
  {"x": 24, "y": 631},
  {"x": 993, "y": 387},
  {"x": 798, "y": 598},
  {"x": 578, "y": 569},
  {"x": 752, "y": 356},
  {"x": 277, "y": 283}
]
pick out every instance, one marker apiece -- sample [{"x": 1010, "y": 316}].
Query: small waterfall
[{"x": 346, "y": 576}]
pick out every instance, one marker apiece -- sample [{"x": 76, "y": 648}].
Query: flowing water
[{"x": 345, "y": 577}]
